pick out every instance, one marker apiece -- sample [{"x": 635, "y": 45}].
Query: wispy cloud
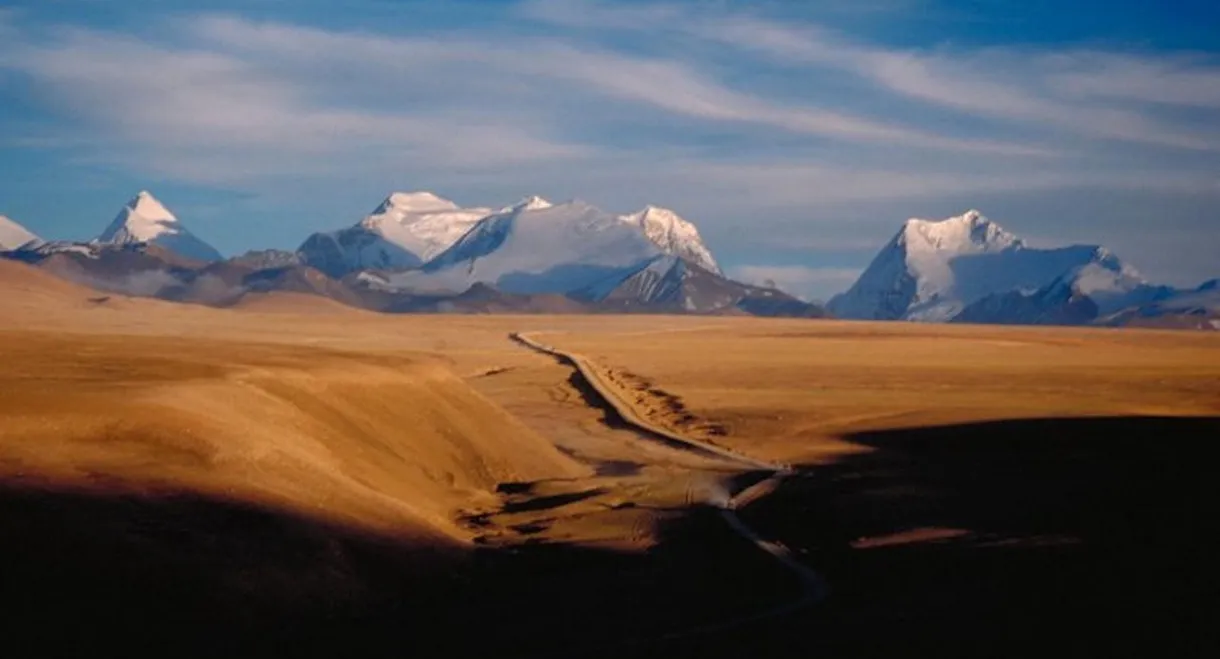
[
  {"x": 223, "y": 96},
  {"x": 978, "y": 85},
  {"x": 1045, "y": 89},
  {"x": 1192, "y": 81},
  {"x": 269, "y": 91},
  {"x": 665, "y": 84},
  {"x": 189, "y": 107},
  {"x": 796, "y": 184}
]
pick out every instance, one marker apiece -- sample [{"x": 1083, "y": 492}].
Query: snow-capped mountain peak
[
  {"x": 673, "y": 234},
  {"x": 965, "y": 233},
  {"x": 404, "y": 231},
  {"x": 13, "y": 235},
  {"x": 932, "y": 270},
  {"x": 553, "y": 249},
  {"x": 144, "y": 219},
  {"x": 414, "y": 202},
  {"x": 530, "y": 203},
  {"x": 416, "y": 208}
]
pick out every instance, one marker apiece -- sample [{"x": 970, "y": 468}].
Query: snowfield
[{"x": 536, "y": 249}]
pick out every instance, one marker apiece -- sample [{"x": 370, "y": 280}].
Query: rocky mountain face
[{"x": 672, "y": 284}]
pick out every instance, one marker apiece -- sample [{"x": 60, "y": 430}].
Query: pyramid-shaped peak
[
  {"x": 149, "y": 207},
  {"x": 13, "y": 235},
  {"x": 144, "y": 219}
]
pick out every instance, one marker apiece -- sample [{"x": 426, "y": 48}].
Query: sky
[{"x": 798, "y": 136}]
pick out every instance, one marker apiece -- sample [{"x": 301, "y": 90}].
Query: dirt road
[{"x": 813, "y": 586}]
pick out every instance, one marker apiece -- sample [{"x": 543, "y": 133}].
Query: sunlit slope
[
  {"x": 388, "y": 442},
  {"x": 784, "y": 389},
  {"x": 24, "y": 288}
]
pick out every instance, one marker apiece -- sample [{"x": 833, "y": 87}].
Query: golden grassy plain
[
  {"x": 789, "y": 390},
  {"x": 444, "y": 479}
]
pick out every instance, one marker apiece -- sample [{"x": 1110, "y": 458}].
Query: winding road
[{"x": 813, "y": 586}]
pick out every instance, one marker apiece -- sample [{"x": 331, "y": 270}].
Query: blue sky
[{"x": 797, "y": 135}]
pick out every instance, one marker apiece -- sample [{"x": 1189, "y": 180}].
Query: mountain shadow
[
  {"x": 1041, "y": 537},
  {"x": 98, "y": 574}
]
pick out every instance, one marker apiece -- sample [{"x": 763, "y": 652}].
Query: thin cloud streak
[
  {"x": 200, "y": 105},
  {"x": 663, "y": 84},
  {"x": 1040, "y": 89},
  {"x": 234, "y": 99},
  {"x": 1169, "y": 81}
]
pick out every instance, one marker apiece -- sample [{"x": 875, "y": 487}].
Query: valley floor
[{"x": 293, "y": 480}]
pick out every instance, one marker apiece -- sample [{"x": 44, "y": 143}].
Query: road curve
[
  {"x": 813, "y": 586},
  {"x": 612, "y": 396}
]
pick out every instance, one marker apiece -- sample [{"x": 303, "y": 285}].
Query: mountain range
[{"x": 418, "y": 252}]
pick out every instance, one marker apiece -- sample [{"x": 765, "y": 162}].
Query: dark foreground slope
[
  {"x": 1053, "y": 537},
  {"x": 1010, "y": 539}
]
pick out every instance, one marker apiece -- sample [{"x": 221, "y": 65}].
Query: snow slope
[
  {"x": 674, "y": 235},
  {"x": 405, "y": 231},
  {"x": 1113, "y": 285},
  {"x": 146, "y": 220},
  {"x": 1198, "y": 308},
  {"x": 933, "y": 270},
  {"x": 13, "y": 235},
  {"x": 1081, "y": 295},
  {"x": 536, "y": 248}
]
